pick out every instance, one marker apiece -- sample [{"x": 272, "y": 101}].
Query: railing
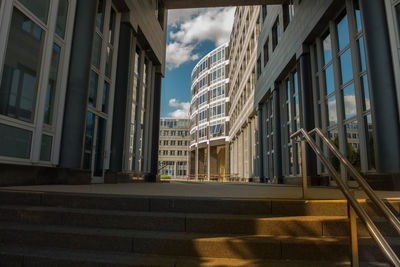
[{"x": 353, "y": 205}]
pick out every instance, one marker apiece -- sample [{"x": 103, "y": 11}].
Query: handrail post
[
  {"x": 304, "y": 168},
  {"x": 353, "y": 235}
]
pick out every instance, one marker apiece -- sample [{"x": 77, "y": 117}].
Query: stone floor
[{"x": 202, "y": 189}]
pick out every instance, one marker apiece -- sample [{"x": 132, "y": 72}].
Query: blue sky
[{"x": 191, "y": 34}]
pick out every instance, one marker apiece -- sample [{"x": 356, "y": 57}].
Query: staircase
[{"x": 59, "y": 229}]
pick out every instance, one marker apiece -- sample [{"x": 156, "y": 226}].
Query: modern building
[
  {"x": 80, "y": 89},
  {"x": 242, "y": 113},
  {"x": 209, "y": 118},
  {"x": 173, "y": 154},
  {"x": 324, "y": 64}
]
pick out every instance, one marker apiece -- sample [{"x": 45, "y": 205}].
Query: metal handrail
[
  {"x": 371, "y": 227},
  {"x": 361, "y": 181}
]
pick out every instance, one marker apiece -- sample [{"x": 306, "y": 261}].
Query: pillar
[
  {"x": 277, "y": 136},
  {"x": 250, "y": 148},
  {"x": 208, "y": 161},
  {"x": 121, "y": 89},
  {"x": 307, "y": 110},
  {"x": 382, "y": 87},
  {"x": 156, "y": 126},
  {"x": 260, "y": 155},
  {"x": 197, "y": 163},
  {"x": 77, "y": 89}
]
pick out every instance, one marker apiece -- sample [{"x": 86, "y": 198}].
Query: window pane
[
  {"x": 353, "y": 144},
  {"x": 357, "y": 15},
  {"x": 21, "y": 68},
  {"x": 96, "y": 54},
  {"x": 343, "y": 33},
  {"x": 106, "y": 91},
  {"x": 370, "y": 142},
  {"x": 45, "y": 150},
  {"x": 329, "y": 80},
  {"x": 362, "y": 53},
  {"x": 51, "y": 87},
  {"x": 111, "y": 27},
  {"x": 109, "y": 61},
  {"x": 62, "y": 17},
  {"x": 15, "y": 142},
  {"x": 100, "y": 15},
  {"x": 367, "y": 102},
  {"x": 327, "y": 49},
  {"x": 349, "y": 101},
  {"x": 346, "y": 66},
  {"x": 87, "y": 157},
  {"x": 93, "y": 88},
  {"x": 39, "y": 8},
  {"x": 332, "y": 114}
]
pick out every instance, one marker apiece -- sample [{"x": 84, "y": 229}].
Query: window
[
  {"x": 258, "y": 67},
  {"x": 173, "y": 142},
  {"x": 172, "y": 152},
  {"x": 288, "y": 13},
  {"x": 264, "y": 12},
  {"x": 276, "y": 32},
  {"x": 166, "y": 133},
  {"x": 165, "y": 142},
  {"x": 173, "y": 133},
  {"x": 266, "y": 52},
  {"x": 179, "y": 143}
]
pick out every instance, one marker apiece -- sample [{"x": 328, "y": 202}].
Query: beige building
[
  {"x": 173, "y": 147},
  {"x": 243, "y": 119}
]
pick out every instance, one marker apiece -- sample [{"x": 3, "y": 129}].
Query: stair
[{"x": 60, "y": 229}]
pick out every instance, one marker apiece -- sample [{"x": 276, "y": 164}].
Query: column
[
  {"x": 382, "y": 87},
  {"x": 156, "y": 125},
  {"x": 139, "y": 126},
  {"x": 197, "y": 162},
  {"x": 307, "y": 110},
  {"x": 148, "y": 118},
  {"x": 277, "y": 136},
  {"x": 260, "y": 155},
  {"x": 77, "y": 90},
  {"x": 121, "y": 91},
  {"x": 208, "y": 161},
  {"x": 227, "y": 158},
  {"x": 250, "y": 148}
]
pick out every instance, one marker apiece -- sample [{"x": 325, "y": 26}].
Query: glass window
[
  {"x": 87, "y": 157},
  {"x": 343, "y": 33},
  {"x": 39, "y": 8},
  {"x": 346, "y": 66},
  {"x": 327, "y": 46},
  {"x": 353, "y": 144},
  {"x": 51, "y": 87},
  {"x": 45, "y": 149},
  {"x": 349, "y": 101},
  {"x": 15, "y": 142},
  {"x": 94, "y": 78},
  {"x": 106, "y": 92},
  {"x": 100, "y": 14},
  {"x": 362, "y": 54},
  {"x": 370, "y": 142},
  {"x": 332, "y": 114},
  {"x": 357, "y": 15},
  {"x": 61, "y": 17},
  {"x": 329, "y": 80},
  {"x": 111, "y": 26},
  {"x": 367, "y": 102},
  {"x": 21, "y": 68},
  {"x": 109, "y": 56},
  {"x": 96, "y": 54}
]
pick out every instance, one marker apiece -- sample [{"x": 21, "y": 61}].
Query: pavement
[{"x": 203, "y": 189}]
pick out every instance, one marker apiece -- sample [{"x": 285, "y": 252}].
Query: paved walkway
[{"x": 192, "y": 189}]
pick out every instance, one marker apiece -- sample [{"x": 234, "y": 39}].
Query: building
[
  {"x": 243, "y": 117},
  {"x": 209, "y": 118},
  {"x": 173, "y": 154},
  {"x": 80, "y": 89},
  {"x": 323, "y": 64}
]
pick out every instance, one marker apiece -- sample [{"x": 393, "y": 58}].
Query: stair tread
[{"x": 133, "y": 259}]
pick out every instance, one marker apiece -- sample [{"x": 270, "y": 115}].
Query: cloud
[
  {"x": 182, "y": 109},
  {"x": 194, "y": 26}
]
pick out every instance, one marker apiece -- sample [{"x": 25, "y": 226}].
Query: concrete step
[
  {"x": 249, "y": 247},
  {"x": 24, "y": 256}
]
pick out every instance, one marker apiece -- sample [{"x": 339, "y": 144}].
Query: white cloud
[
  {"x": 194, "y": 26},
  {"x": 182, "y": 109}
]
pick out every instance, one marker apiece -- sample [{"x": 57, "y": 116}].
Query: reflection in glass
[
  {"x": 346, "y": 66},
  {"x": 349, "y": 99},
  {"x": 353, "y": 144},
  {"x": 334, "y": 137},
  {"x": 362, "y": 53},
  {"x": 39, "y": 8},
  {"x": 109, "y": 56},
  {"x": 100, "y": 14},
  {"x": 87, "y": 157},
  {"x": 45, "y": 150},
  {"x": 106, "y": 92},
  {"x": 357, "y": 15},
  {"x": 15, "y": 142},
  {"x": 327, "y": 49},
  {"x": 96, "y": 54},
  {"x": 62, "y": 17},
  {"x": 51, "y": 87},
  {"x": 331, "y": 107},
  {"x": 364, "y": 83},
  {"x": 343, "y": 33},
  {"x": 329, "y": 80},
  {"x": 93, "y": 88},
  {"x": 111, "y": 27},
  {"x": 370, "y": 142},
  {"x": 21, "y": 68}
]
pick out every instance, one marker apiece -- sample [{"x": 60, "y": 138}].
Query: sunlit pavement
[{"x": 202, "y": 189}]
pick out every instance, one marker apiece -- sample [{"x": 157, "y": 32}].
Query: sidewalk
[{"x": 198, "y": 189}]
